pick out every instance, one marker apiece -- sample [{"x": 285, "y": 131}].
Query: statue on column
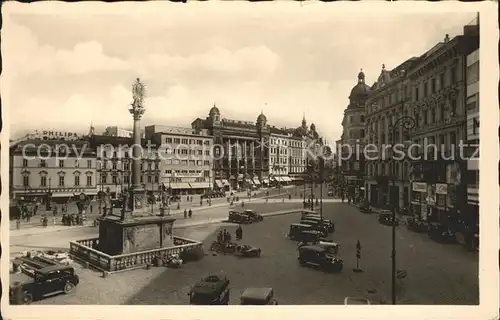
[{"x": 125, "y": 204}]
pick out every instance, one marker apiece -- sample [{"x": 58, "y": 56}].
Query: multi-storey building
[
  {"x": 241, "y": 149},
  {"x": 387, "y": 179},
  {"x": 438, "y": 106},
  {"x": 472, "y": 103},
  {"x": 53, "y": 170},
  {"x": 279, "y": 155},
  {"x": 114, "y": 164},
  {"x": 297, "y": 158},
  {"x": 185, "y": 158},
  {"x": 353, "y": 136}
]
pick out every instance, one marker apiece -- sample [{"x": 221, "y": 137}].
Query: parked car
[
  {"x": 42, "y": 283},
  {"x": 306, "y": 212},
  {"x": 441, "y": 233},
  {"x": 317, "y": 225},
  {"x": 387, "y": 220},
  {"x": 254, "y": 216},
  {"x": 325, "y": 222},
  {"x": 417, "y": 225},
  {"x": 319, "y": 257},
  {"x": 239, "y": 217},
  {"x": 212, "y": 290},
  {"x": 330, "y": 193},
  {"x": 303, "y": 232},
  {"x": 365, "y": 208},
  {"x": 258, "y": 297}
]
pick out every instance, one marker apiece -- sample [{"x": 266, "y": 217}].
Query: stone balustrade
[{"x": 86, "y": 250}]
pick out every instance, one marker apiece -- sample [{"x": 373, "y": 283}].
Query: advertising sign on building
[
  {"x": 441, "y": 188},
  {"x": 431, "y": 194},
  {"x": 419, "y": 186},
  {"x": 453, "y": 174}
]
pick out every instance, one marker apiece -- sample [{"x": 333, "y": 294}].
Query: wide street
[{"x": 436, "y": 273}]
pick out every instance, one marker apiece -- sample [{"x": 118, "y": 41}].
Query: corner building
[{"x": 353, "y": 140}]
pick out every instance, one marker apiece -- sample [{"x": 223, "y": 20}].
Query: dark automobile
[
  {"x": 319, "y": 257},
  {"x": 212, "y": 290},
  {"x": 330, "y": 193},
  {"x": 365, "y": 208},
  {"x": 247, "y": 251},
  {"x": 386, "y": 219},
  {"x": 303, "y": 232},
  {"x": 329, "y": 225},
  {"x": 417, "y": 225},
  {"x": 317, "y": 225},
  {"x": 258, "y": 297},
  {"x": 42, "y": 283},
  {"x": 306, "y": 213},
  {"x": 254, "y": 216},
  {"x": 441, "y": 233},
  {"x": 239, "y": 217}
]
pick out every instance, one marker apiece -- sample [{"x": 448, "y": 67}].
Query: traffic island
[{"x": 132, "y": 243}]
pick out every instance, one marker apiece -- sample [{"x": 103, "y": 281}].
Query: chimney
[{"x": 446, "y": 38}]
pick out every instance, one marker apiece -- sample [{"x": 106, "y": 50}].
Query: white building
[
  {"x": 279, "y": 155},
  {"x": 115, "y": 131},
  {"x": 473, "y": 129}
]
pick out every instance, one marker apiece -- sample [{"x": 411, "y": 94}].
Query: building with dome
[
  {"x": 353, "y": 139},
  {"x": 241, "y": 149}
]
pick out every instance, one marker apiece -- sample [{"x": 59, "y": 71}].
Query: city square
[{"x": 253, "y": 197}]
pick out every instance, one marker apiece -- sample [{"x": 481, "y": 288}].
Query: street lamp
[
  {"x": 48, "y": 196},
  {"x": 407, "y": 123}
]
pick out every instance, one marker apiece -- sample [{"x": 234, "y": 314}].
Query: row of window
[
  {"x": 61, "y": 163},
  {"x": 187, "y": 151},
  {"x": 62, "y": 181},
  {"x": 278, "y": 160},
  {"x": 187, "y": 162},
  {"x": 206, "y": 173},
  {"x": 187, "y": 141},
  {"x": 382, "y": 169},
  {"x": 281, "y": 151}
]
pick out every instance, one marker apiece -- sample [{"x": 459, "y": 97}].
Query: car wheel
[
  {"x": 68, "y": 287},
  {"x": 28, "y": 298},
  {"x": 258, "y": 253}
]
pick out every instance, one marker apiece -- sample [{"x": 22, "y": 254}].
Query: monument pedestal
[
  {"x": 139, "y": 203},
  {"x": 134, "y": 234}
]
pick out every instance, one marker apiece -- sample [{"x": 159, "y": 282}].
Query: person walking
[
  {"x": 190, "y": 213},
  {"x": 185, "y": 213},
  {"x": 239, "y": 233}
]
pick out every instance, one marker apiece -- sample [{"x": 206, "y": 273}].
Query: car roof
[
  {"x": 312, "y": 231},
  {"x": 312, "y": 248},
  {"x": 309, "y": 211},
  {"x": 256, "y": 293},
  {"x": 210, "y": 284},
  {"x": 300, "y": 225},
  {"x": 50, "y": 269}
]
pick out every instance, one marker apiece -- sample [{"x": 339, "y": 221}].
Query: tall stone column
[
  {"x": 252, "y": 148},
  {"x": 137, "y": 202},
  {"x": 245, "y": 157}
]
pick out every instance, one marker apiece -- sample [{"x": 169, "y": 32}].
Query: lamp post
[
  {"x": 172, "y": 175},
  {"x": 312, "y": 185},
  {"x": 321, "y": 171},
  {"x": 407, "y": 123},
  {"x": 48, "y": 196}
]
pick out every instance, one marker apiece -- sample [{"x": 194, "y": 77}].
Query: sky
[{"x": 69, "y": 65}]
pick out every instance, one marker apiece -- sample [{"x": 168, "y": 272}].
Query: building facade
[
  {"x": 387, "y": 179},
  {"x": 297, "y": 158},
  {"x": 52, "y": 170},
  {"x": 185, "y": 159},
  {"x": 353, "y": 140},
  {"x": 438, "y": 84},
  {"x": 241, "y": 149},
  {"x": 279, "y": 155}
]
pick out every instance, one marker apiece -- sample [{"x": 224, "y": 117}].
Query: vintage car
[
  {"x": 211, "y": 290},
  {"x": 306, "y": 212},
  {"x": 298, "y": 231},
  {"x": 258, "y": 297},
  {"x": 318, "y": 256},
  {"x": 325, "y": 222},
  {"x": 441, "y": 234},
  {"x": 354, "y": 301},
  {"x": 387, "y": 220},
  {"x": 254, "y": 216},
  {"x": 317, "y": 225},
  {"x": 330, "y": 246},
  {"x": 239, "y": 217},
  {"x": 247, "y": 251},
  {"x": 365, "y": 208},
  {"x": 417, "y": 225},
  {"x": 41, "y": 283}
]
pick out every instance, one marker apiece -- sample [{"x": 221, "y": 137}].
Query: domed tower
[
  {"x": 262, "y": 151},
  {"x": 214, "y": 115},
  {"x": 359, "y": 92},
  {"x": 261, "y": 121}
]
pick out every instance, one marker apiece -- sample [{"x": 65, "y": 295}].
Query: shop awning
[
  {"x": 199, "y": 185},
  {"x": 266, "y": 181},
  {"x": 274, "y": 178},
  {"x": 249, "y": 181},
  {"x": 225, "y": 182},
  {"x": 287, "y": 179},
  {"x": 256, "y": 181},
  {"x": 62, "y": 194},
  {"x": 181, "y": 185},
  {"x": 219, "y": 183},
  {"x": 240, "y": 177}
]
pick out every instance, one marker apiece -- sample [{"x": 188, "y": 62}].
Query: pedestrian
[
  {"x": 224, "y": 236},
  {"x": 239, "y": 233},
  {"x": 91, "y": 209},
  {"x": 190, "y": 213},
  {"x": 228, "y": 237},
  {"x": 242, "y": 204},
  {"x": 28, "y": 217},
  {"x": 18, "y": 223},
  {"x": 185, "y": 213},
  {"x": 289, "y": 197},
  {"x": 219, "y": 237},
  {"x": 178, "y": 206}
]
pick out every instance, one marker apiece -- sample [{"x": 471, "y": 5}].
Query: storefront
[{"x": 419, "y": 207}]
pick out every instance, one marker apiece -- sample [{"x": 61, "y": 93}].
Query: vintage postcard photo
[{"x": 280, "y": 154}]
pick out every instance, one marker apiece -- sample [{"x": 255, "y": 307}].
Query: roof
[
  {"x": 73, "y": 147},
  {"x": 300, "y": 224},
  {"x": 210, "y": 285},
  {"x": 115, "y": 141},
  {"x": 257, "y": 293},
  {"x": 312, "y": 248}
]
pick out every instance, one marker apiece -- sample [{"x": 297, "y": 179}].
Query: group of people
[
  {"x": 224, "y": 236},
  {"x": 188, "y": 213}
]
